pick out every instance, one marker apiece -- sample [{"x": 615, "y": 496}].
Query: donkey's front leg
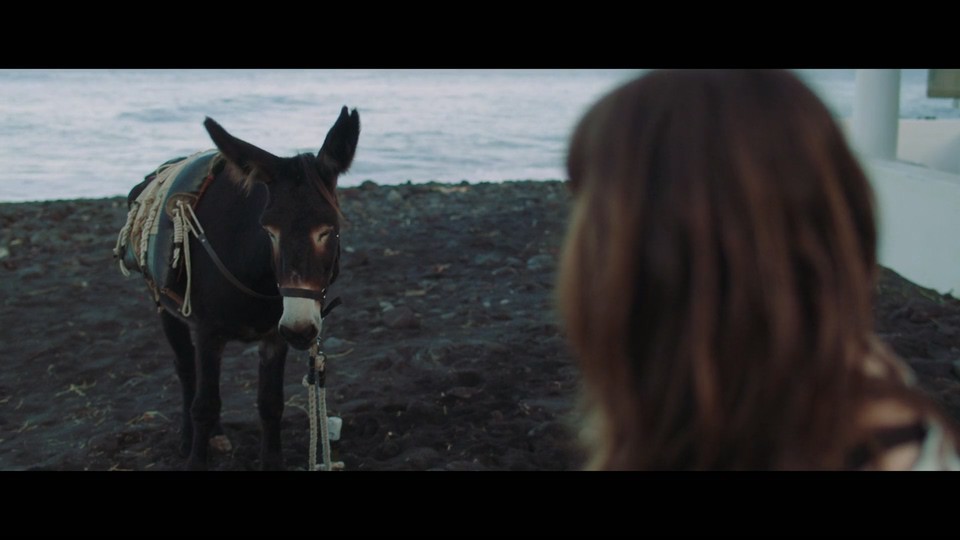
[
  {"x": 178, "y": 334},
  {"x": 205, "y": 410},
  {"x": 273, "y": 355}
]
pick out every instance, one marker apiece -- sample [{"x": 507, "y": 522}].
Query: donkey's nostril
[{"x": 301, "y": 338}]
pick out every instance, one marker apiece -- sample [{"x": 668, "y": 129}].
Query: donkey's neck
[{"x": 231, "y": 217}]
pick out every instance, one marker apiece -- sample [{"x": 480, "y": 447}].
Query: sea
[{"x": 68, "y": 134}]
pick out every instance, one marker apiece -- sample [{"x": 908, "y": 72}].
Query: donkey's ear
[
  {"x": 255, "y": 164},
  {"x": 338, "y": 148}
]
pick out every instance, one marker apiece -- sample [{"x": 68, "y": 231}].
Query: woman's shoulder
[
  {"x": 937, "y": 452},
  {"x": 902, "y": 436}
]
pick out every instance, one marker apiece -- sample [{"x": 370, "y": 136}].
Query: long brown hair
[{"x": 716, "y": 282}]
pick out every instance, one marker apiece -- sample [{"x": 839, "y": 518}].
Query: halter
[
  {"x": 319, "y": 296},
  {"x": 286, "y": 292}
]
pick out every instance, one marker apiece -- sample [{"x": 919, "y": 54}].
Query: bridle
[
  {"x": 319, "y": 296},
  {"x": 285, "y": 292}
]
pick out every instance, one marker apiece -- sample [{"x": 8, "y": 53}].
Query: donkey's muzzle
[{"x": 301, "y": 338}]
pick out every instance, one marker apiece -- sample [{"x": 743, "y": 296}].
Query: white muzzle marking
[{"x": 299, "y": 313}]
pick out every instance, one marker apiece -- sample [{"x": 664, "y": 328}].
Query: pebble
[
  {"x": 394, "y": 196},
  {"x": 462, "y": 392},
  {"x": 494, "y": 346},
  {"x": 387, "y": 450},
  {"x": 31, "y": 272},
  {"x": 469, "y": 378},
  {"x": 486, "y": 258},
  {"x": 420, "y": 458},
  {"x": 85, "y": 238},
  {"x": 540, "y": 262},
  {"x": 422, "y": 410},
  {"x": 549, "y": 429},
  {"x": 332, "y": 344},
  {"x": 463, "y": 466},
  {"x": 4, "y": 252},
  {"x": 400, "y": 318},
  {"x": 382, "y": 363},
  {"x": 438, "y": 353}
]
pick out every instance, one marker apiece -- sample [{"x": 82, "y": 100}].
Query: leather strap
[
  {"x": 226, "y": 273},
  {"x": 326, "y": 311},
  {"x": 291, "y": 292},
  {"x": 312, "y": 295}
]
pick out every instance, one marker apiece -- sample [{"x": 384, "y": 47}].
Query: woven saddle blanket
[{"x": 146, "y": 242}]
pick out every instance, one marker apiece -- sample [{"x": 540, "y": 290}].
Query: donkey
[{"x": 275, "y": 224}]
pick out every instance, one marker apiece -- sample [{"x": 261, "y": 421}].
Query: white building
[{"x": 915, "y": 169}]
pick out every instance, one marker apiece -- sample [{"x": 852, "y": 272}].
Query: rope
[
  {"x": 143, "y": 221},
  {"x": 322, "y": 411},
  {"x": 177, "y": 236},
  {"x": 324, "y": 428},
  {"x": 142, "y": 216},
  {"x": 317, "y": 411},
  {"x": 312, "y": 413},
  {"x": 185, "y": 221},
  {"x": 145, "y": 238},
  {"x": 123, "y": 236},
  {"x": 193, "y": 221}
]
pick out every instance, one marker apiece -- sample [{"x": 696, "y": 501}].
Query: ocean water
[{"x": 95, "y": 133}]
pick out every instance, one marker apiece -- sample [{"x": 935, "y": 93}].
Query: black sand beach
[{"x": 446, "y": 354}]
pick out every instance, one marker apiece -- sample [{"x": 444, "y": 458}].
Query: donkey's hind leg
[
  {"x": 178, "y": 334},
  {"x": 273, "y": 355}
]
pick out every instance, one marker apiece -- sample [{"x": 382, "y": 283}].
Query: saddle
[{"x": 149, "y": 242}]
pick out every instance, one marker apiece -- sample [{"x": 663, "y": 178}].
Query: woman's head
[{"x": 717, "y": 277}]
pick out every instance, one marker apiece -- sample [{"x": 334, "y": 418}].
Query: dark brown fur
[{"x": 291, "y": 196}]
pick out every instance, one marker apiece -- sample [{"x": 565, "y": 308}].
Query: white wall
[
  {"x": 933, "y": 143},
  {"x": 919, "y": 222}
]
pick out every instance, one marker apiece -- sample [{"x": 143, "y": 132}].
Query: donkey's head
[{"x": 302, "y": 217}]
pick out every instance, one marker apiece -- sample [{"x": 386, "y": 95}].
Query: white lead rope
[{"x": 317, "y": 408}]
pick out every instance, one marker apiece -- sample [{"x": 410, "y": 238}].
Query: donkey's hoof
[
  {"x": 221, "y": 443},
  {"x": 196, "y": 465}
]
